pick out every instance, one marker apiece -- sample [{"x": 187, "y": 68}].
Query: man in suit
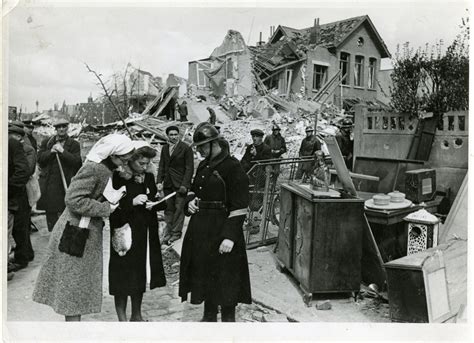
[
  {"x": 51, "y": 181},
  {"x": 174, "y": 175}
]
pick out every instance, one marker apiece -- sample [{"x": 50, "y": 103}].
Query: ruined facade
[
  {"x": 349, "y": 52},
  {"x": 228, "y": 70}
]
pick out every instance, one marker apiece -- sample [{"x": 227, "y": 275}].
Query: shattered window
[
  {"x": 359, "y": 71},
  {"x": 450, "y": 123},
  {"x": 319, "y": 76},
  {"x": 344, "y": 67},
  {"x": 369, "y": 123},
  {"x": 462, "y": 123},
  {"x": 371, "y": 80}
]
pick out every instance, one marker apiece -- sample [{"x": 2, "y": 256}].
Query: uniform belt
[{"x": 211, "y": 204}]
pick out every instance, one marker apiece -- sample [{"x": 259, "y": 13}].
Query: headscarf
[{"x": 113, "y": 144}]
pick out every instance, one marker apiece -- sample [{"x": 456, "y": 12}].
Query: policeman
[
  {"x": 214, "y": 266},
  {"x": 346, "y": 144},
  {"x": 309, "y": 145}
]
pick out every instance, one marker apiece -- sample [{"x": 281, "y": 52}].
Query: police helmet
[{"x": 204, "y": 133}]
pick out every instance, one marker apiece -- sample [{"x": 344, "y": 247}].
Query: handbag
[{"x": 73, "y": 240}]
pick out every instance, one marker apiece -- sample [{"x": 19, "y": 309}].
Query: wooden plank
[
  {"x": 340, "y": 165},
  {"x": 154, "y": 131},
  {"x": 372, "y": 263},
  {"x": 358, "y": 176},
  {"x": 165, "y": 102},
  {"x": 456, "y": 222},
  {"x": 155, "y": 101}
]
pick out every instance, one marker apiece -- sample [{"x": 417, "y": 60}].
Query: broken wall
[
  {"x": 389, "y": 135},
  {"x": 192, "y": 73},
  {"x": 320, "y": 56}
]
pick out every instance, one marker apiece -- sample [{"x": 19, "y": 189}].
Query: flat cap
[
  {"x": 15, "y": 129},
  {"x": 17, "y": 123},
  {"x": 61, "y": 121},
  {"x": 257, "y": 132}
]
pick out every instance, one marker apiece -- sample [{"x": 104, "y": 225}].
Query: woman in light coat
[{"x": 71, "y": 285}]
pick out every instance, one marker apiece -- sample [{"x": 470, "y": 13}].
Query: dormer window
[{"x": 360, "y": 41}]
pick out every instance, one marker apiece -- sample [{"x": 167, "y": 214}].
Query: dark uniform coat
[
  {"x": 176, "y": 170},
  {"x": 127, "y": 274},
  {"x": 183, "y": 112},
  {"x": 52, "y": 189},
  {"x": 347, "y": 147},
  {"x": 276, "y": 143},
  {"x": 18, "y": 173},
  {"x": 309, "y": 145},
  {"x": 221, "y": 279}
]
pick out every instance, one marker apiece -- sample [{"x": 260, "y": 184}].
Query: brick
[{"x": 323, "y": 305}]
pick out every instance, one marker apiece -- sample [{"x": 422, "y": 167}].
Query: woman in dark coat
[
  {"x": 214, "y": 266},
  {"x": 127, "y": 274}
]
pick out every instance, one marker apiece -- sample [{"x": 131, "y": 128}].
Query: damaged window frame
[
  {"x": 372, "y": 73},
  {"x": 359, "y": 71},
  {"x": 321, "y": 75},
  {"x": 344, "y": 64}
]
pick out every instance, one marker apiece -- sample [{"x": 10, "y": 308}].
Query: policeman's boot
[
  {"x": 228, "y": 313},
  {"x": 210, "y": 312}
]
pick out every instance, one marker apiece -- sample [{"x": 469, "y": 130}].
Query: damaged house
[
  {"x": 228, "y": 71},
  {"x": 336, "y": 62}
]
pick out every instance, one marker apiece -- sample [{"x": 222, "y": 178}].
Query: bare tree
[{"x": 109, "y": 97}]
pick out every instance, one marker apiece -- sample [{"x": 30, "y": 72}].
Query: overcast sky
[{"x": 47, "y": 46}]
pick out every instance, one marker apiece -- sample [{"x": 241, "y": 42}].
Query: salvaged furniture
[
  {"x": 320, "y": 240},
  {"x": 391, "y": 173},
  {"x": 420, "y": 184},
  {"x": 429, "y": 286},
  {"x": 389, "y": 228}
]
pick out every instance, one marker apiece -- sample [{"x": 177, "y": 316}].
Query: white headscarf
[
  {"x": 140, "y": 144},
  {"x": 113, "y": 144}
]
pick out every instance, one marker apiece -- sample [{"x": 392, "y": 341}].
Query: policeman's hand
[
  {"x": 140, "y": 199},
  {"x": 193, "y": 206},
  {"x": 159, "y": 187},
  {"x": 182, "y": 190},
  {"x": 226, "y": 246}
]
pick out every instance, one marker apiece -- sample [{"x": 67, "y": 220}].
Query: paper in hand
[
  {"x": 154, "y": 203},
  {"x": 113, "y": 195}
]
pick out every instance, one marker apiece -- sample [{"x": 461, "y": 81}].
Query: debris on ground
[{"x": 323, "y": 305}]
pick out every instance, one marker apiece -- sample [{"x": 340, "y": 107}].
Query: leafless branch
[{"x": 107, "y": 94}]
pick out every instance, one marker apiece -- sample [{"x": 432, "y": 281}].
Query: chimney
[
  {"x": 315, "y": 32},
  {"x": 260, "y": 41}
]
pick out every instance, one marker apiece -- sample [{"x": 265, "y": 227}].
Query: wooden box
[
  {"x": 429, "y": 286},
  {"x": 320, "y": 240},
  {"x": 420, "y": 185}
]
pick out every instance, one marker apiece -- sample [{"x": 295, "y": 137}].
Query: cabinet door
[
  {"x": 303, "y": 241},
  {"x": 337, "y": 246},
  {"x": 285, "y": 233}
]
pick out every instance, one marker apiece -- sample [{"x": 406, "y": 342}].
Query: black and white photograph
[{"x": 289, "y": 171}]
